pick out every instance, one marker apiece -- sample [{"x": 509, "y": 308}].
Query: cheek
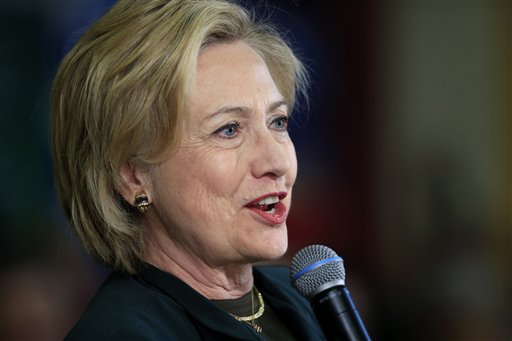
[
  {"x": 197, "y": 181},
  {"x": 219, "y": 174}
]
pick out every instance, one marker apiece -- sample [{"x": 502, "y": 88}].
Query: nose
[{"x": 272, "y": 156}]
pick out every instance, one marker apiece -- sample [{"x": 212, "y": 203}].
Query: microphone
[{"x": 317, "y": 272}]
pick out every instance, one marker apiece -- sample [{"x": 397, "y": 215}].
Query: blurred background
[{"x": 404, "y": 163}]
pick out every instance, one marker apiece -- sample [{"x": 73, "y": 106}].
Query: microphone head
[{"x": 316, "y": 268}]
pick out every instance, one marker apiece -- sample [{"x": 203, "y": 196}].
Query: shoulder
[{"x": 125, "y": 307}]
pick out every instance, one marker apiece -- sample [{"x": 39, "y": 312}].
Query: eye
[
  {"x": 280, "y": 123},
  {"x": 229, "y": 130}
]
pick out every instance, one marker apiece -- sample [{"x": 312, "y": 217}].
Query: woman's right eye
[{"x": 229, "y": 130}]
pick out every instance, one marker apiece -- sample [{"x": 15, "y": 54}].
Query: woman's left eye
[{"x": 280, "y": 123}]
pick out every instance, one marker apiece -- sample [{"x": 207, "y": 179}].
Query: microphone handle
[{"x": 338, "y": 315}]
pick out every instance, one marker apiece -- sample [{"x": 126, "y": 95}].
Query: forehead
[
  {"x": 230, "y": 72},
  {"x": 235, "y": 57}
]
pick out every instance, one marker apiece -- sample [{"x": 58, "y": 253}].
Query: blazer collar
[{"x": 196, "y": 305}]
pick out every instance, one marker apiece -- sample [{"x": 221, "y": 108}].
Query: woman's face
[{"x": 224, "y": 195}]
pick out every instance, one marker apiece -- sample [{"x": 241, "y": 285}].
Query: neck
[{"x": 216, "y": 282}]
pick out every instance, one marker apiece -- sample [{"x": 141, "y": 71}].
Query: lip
[
  {"x": 280, "y": 195},
  {"x": 280, "y": 210}
]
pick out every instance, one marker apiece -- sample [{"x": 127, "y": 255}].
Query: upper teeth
[{"x": 268, "y": 201}]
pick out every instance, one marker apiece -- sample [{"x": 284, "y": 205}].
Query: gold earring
[{"x": 142, "y": 202}]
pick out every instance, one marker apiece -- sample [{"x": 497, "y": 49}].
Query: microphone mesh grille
[{"x": 313, "y": 279}]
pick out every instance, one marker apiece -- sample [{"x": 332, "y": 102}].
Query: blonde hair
[{"x": 118, "y": 97}]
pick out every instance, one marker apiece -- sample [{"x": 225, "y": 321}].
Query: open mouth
[
  {"x": 270, "y": 207},
  {"x": 267, "y": 204}
]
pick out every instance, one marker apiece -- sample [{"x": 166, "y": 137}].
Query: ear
[{"x": 132, "y": 183}]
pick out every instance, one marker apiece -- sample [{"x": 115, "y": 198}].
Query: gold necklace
[{"x": 250, "y": 319}]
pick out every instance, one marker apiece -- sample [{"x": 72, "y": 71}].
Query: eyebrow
[{"x": 246, "y": 110}]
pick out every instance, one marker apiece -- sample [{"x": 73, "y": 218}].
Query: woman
[{"x": 175, "y": 167}]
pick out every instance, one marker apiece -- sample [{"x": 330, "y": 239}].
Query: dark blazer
[{"x": 155, "y": 305}]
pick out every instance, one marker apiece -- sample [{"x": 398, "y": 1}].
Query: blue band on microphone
[{"x": 316, "y": 265}]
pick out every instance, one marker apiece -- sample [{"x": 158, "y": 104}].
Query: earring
[{"x": 142, "y": 202}]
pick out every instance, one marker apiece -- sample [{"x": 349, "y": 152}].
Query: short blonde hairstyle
[{"x": 119, "y": 95}]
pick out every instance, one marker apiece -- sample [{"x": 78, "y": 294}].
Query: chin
[{"x": 273, "y": 248}]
